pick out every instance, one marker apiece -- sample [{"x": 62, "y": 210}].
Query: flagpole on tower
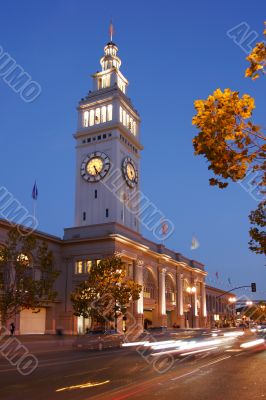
[
  {"x": 111, "y": 30},
  {"x": 34, "y": 196}
]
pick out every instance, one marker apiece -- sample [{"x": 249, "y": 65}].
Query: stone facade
[{"x": 164, "y": 275}]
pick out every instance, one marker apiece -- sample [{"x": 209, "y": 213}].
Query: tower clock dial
[
  {"x": 95, "y": 166},
  {"x": 130, "y": 172}
]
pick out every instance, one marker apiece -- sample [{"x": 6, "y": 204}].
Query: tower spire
[{"x": 111, "y": 31}]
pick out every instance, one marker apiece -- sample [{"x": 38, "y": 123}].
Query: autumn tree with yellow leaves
[{"x": 233, "y": 145}]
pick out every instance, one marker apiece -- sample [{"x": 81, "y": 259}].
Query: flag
[
  {"x": 111, "y": 31},
  {"x": 194, "y": 243},
  {"x": 164, "y": 226},
  {"x": 217, "y": 275},
  {"x": 35, "y": 191},
  {"x": 229, "y": 281}
]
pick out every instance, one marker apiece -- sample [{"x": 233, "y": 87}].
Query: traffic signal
[{"x": 253, "y": 287}]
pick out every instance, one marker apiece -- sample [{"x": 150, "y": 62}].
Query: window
[
  {"x": 97, "y": 262},
  {"x": 134, "y": 128},
  {"x": 103, "y": 114},
  {"x": 97, "y": 115},
  {"x": 99, "y": 137},
  {"x": 95, "y": 194},
  {"x": 100, "y": 115},
  {"x": 100, "y": 83},
  {"x": 109, "y": 112},
  {"x": 107, "y": 213},
  {"x": 124, "y": 118},
  {"x": 127, "y": 121},
  {"x": 104, "y": 81},
  {"x": 88, "y": 140},
  {"x": 83, "y": 266},
  {"x": 86, "y": 118},
  {"x": 87, "y": 265},
  {"x": 84, "y": 216},
  {"x": 104, "y": 136},
  {"x": 78, "y": 267},
  {"x": 91, "y": 117}
]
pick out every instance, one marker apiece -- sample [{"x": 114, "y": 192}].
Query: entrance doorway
[
  {"x": 32, "y": 322},
  {"x": 147, "y": 317}
]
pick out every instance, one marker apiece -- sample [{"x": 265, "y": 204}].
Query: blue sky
[{"x": 172, "y": 53}]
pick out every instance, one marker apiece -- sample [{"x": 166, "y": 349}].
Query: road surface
[{"x": 226, "y": 373}]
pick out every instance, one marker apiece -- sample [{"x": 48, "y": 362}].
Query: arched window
[
  {"x": 149, "y": 286},
  {"x": 169, "y": 289},
  {"x": 186, "y": 296}
]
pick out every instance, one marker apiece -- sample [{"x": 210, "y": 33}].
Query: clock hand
[{"x": 96, "y": 169}]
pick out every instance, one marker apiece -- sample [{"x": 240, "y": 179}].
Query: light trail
[
  {"x": 82, "y": 386},
  {"x": 252, "y": 343}
]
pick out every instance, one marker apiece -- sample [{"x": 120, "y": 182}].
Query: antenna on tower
[{"x": 111, "y": 31}]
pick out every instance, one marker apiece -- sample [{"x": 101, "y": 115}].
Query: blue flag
[{"x": 35, "y": 191}]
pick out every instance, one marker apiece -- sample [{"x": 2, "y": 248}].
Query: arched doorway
[
  {"x": 170, "y": 299},
  {"x": 149, "y": 297}
]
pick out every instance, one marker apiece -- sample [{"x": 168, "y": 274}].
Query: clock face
[
  {"x": 130, "y": 172},
  {"x": 95, "y": 166}
]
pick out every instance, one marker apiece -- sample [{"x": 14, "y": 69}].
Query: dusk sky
[{"x": 172, "y": 53}]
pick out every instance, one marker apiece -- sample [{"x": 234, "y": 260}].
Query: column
[
  {"x": 203, "y": 300},
  {"x": 180, "y": 295},
  {"x": 180, "y": 318},
  {"x": 162, "y": 302},
  {"x": 138, "y": 306},
  {"x": 194, "y": 305}
]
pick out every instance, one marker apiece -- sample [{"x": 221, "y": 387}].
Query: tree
[
  {"x": 232, "y": 144},
  {"x": 106, "y": 293},
  {"x": 258, "y": 235},
  {"x": 24, "y": 284}
]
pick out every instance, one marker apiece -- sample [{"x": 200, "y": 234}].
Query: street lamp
[
  {"x": 232, "y": 300},
  {"x": 191, "y": 289}
]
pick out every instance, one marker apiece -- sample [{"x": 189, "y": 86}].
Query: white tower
[{"x": 107, "y": 149}]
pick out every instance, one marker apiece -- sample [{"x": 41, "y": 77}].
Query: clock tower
[{"x": 107, "y": 149}]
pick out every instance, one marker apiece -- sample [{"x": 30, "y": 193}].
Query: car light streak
[
  {"x": 252, "y": 343},
  {"x": 189, "y": 347},
  {"x": 131, "y": 344},
  {"x": 162, "y": 343},
  {"x": 82, "y": 386},
  {"x": 198, "y": 351},
  {"x": 233, "y": 334}
]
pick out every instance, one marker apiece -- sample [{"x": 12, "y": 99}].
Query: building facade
[
  {"x": 221, "y": 310},
  {"x": 108, "y": 215}
]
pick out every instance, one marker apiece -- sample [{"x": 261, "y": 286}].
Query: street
[{"x": 229, "y": 372}]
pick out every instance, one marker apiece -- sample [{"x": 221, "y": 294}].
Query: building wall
[
  {"x": 221, "y": 312},
  {"x": 165, "y": 276}
]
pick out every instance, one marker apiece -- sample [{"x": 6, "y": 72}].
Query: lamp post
[
  {"x": 249, "y": 303},
  {"x": 232, "y": 301},
  {"x": 192, "y": 290}
]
